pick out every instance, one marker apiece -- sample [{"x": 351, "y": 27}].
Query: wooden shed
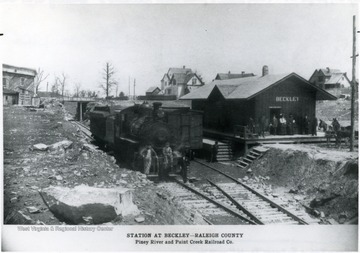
[{"x": 232, "y": 102}]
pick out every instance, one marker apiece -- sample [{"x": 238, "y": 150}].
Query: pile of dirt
[
  {"x": 42, "y": 149},
  {"x": 326, "y": 182}
]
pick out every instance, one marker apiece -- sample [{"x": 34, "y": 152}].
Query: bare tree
[
  {"x": 77, "y": 89},
  {"x": 91, "y": 94},
  {"x": 82, "y": 93},
  {"x": 55, "y": 87},
  {"x": 62, "y": 82},
  {"x": 39, "y": 78},
  {"x": 67, "y": 93},
  {"x": 108, "y": 78}
]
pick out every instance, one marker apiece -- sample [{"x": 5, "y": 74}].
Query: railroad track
[
  {"x": 84, "y": 128},
  {"x": 213, "y": 211},
  {"x": 252, "y": 204}
]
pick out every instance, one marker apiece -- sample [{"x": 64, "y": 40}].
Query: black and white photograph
[{"x": 176, "y": 126}]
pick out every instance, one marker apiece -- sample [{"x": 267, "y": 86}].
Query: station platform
[{"x": 268, "y": 139}]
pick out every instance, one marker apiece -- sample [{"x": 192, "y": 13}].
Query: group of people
[
  {"x": 283, "y": 125},
  {"x": 165, "y": 163}
]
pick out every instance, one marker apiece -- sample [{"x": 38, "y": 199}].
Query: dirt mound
[{"x": 329, "y": 182}]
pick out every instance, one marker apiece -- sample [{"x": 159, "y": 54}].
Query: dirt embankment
[
  {"x": 27, "y": 170},
  {"x": 324, "y": 180}
]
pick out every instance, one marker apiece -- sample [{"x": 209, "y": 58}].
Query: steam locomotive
[{"x": 128, "y": 130}]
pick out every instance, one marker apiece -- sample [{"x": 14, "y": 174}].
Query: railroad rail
[
  {"x": 212, "y": 211},
  {"x": 84, "y": 128},
  {"x": 252, "y": 203}
]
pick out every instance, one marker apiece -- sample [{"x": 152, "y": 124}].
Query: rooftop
[
  {"x": 248, "y": 87},
  {"x": 19, "y": 70},
  {"x": 223, "y": 76}
]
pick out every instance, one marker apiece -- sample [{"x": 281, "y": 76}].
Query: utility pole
[
  {"x": 129, "y": 94},
  {"x": 117, "y": 88},
  {"x": 134, "y": 88},
  {"x": 353, "y": 87}
]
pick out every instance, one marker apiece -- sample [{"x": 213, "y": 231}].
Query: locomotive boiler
[{"x": 128, "y": 130}]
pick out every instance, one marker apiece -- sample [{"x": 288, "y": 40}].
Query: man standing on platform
[
  {"x": 306, "y": 124},
  {"x": 251, "y": 125},
  {"x": 262, "y": 124},
  {"x": 274, "y": 125},
  {"x": 282, "y": 125},
  {"x": 314, "y": 123}
]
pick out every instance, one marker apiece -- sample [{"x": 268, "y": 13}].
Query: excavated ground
[
  {"x": 26, "y": 171},
  {"x": 324, "y": 180}
]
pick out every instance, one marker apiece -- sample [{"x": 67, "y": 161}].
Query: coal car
[{"x": 128, "y": 130}]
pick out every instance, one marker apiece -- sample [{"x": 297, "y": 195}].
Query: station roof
[{"x": 249, "y": 87}]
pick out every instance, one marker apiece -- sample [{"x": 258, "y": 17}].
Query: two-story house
[
  {"x": 180, "y": 81},
  {"x": 332, "y": 80},
  {"x": 18, "y": 85}
]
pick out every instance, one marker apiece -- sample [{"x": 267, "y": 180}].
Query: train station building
[{"x": 232, "y": 102}]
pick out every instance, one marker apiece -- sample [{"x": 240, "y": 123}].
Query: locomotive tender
[{"x": 128, "y": 130}]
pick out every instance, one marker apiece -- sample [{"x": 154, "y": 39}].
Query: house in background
[
  {"x": 180, "y": 81},
  {"x": 152, "y": 91},
  {"x": 332, "y": 80},
  {"x": 229, "y": 75},
  {"x": 18, "y": 85}
]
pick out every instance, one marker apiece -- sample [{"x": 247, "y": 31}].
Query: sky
[{"x": 142, "y": 41}]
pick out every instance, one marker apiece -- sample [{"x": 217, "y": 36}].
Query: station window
[
  {"x": 194, "y": 81},
  {"x": 321, "y": 78},
  {"x": 174, "y": 82},
  {"x": 22, "y": 81},
  {"x": 4, "y": 82}
]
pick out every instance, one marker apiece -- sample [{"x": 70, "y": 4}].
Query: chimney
[
  {"x": 265, "y": 70},
  {"x": 229, "y": 72},
  {"x": 183, "y": 66},
  {"x": 242, "y": 72},
  {"x": 328, "y": 69}
]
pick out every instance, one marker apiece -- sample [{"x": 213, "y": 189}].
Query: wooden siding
[
  {"x": 223, "y": 115},
  {"x": 288, "y": 89}
]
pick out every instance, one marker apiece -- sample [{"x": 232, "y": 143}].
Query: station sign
[{"x": 287, "y": 99}]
